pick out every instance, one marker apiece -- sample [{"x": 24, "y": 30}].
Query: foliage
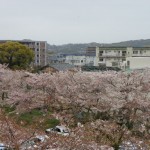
[
  {"x": 114, "y": 106},
  {"x": 50, "y": 123},
  {"x": 29, "y": 117},
  {"x": 8, "y": 108},
  {"x": 16, "y": 55}
]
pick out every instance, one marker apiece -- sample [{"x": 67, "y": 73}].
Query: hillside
[
  {"x": 80, "y": 48},
  {"x": 133, "y": 43},
  {"x": 71, "y": 48}
]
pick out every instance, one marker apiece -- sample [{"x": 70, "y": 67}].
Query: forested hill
[
  {"x": 133, "y": 43},
  {"x": 80, "y": 48},
  {"x": 71, "y": 48}
]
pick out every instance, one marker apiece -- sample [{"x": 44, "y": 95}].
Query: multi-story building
[
  {"x": 76, "y": 60},
  {"x": 91, "y": 51},
  {"x": 57, "y": 58},
  {"x": 121, "y": 57},
  {"x": 39, "y": 48},
  {"x": 139, "y": 59}
]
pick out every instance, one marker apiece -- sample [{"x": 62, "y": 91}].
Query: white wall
[
  {"x": 138, "y": 62},
  {"x": 75, "y": 60},
  {"x": 81, "y": 60},
  {"x": 91, "y": 60}
]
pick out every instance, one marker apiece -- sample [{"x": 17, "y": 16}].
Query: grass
[
  {"x": 29, "y": 117},
  {"x": 8, "y": 109},
  {"x": 50, "y": 123},
  {"x": 37, "y": 118}
]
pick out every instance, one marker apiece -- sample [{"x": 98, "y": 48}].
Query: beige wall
[{"x": 138, "y": 62}]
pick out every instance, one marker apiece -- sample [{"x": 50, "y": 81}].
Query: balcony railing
[{"x": 112, "y": 56}]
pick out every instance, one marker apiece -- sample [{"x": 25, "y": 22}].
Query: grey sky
[{"x": 75, "y": 21}]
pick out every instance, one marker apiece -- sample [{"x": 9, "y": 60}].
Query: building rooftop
[{"x": 62, "y": 67}]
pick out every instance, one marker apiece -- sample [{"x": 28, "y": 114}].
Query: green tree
[{"x": 16, "y": 55}]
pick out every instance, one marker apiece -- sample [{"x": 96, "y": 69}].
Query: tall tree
[{"x": 16, "y": 55}]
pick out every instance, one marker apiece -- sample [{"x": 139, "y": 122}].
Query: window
[
  {"x": 82, "y": 61},
  {"x": 37, "y": 49},
  {"x": 114, "y": 64},
  {"x": 57, "y": 129},
  {"x": 128, "y": 63},
  {"x": 101, "y": 59},
  {"x": 123, "y": 53},
  {"x": 37, "y": 55},
  {"x": 65, "y": 131},
  {"x": 135, "y": 52}
]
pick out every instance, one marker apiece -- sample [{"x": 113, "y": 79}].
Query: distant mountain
[
  {"x": 81, "y": 48},
  {"x": 71, "y": 48},
  {"x": 133, "y": 43}
]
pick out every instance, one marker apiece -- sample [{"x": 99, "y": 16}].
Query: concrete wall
[
  {"x": 76, "y": 60},
  {"x": 138, "y": 62},
  {"x": 91, "y": 61},
  {"x": 81, "y": 60}
]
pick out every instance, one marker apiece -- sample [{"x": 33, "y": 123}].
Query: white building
[
  {"x": 90, "y": 60},
  {"x": 76, "y": 60},
  {"x": 80, "y": 60},
  {"x": 123, "y": 57},
  {"x": 136, "y": 63}
]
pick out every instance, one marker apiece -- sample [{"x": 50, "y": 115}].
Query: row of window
[
  {"x": 101, "y": 59},
  {"x": 77, "y": 61},
  {"x": 40, "y": 55},
  {"x": 108, "y": 51},
  {"x": 138, "y": 52},
  {"x": 40, "y": 49},
  {"x": 124, "y": 52}
]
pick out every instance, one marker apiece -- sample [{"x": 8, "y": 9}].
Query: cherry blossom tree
[{"x": 114, "y": 106}]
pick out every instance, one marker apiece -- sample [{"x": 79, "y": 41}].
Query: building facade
[
  {"x": 76, "y": 60},
  {"x": 39, "y": 48},
  {"x": 91, "y": 51},
  {"x": 57, "y": 58},
  {"x": 121, "y": 57}
]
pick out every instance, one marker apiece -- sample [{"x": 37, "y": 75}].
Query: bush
[
  {"x": 50, "y": 123},
  {"x": 29, "y": 117},
  {"x": 8, "y": 108}
]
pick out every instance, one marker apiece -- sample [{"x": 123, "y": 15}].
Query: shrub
[
  {"x": 8, "y": 108},
  {"x": 29, "y": 117},
  {"x": 50, "y": 123}
]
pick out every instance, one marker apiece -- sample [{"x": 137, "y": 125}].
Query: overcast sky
[{"x": 75, "y": 21}]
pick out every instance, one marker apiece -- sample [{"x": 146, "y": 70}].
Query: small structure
[
  {"x": 58, "y": 129},
  {"x": 49, "y": 69}
]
